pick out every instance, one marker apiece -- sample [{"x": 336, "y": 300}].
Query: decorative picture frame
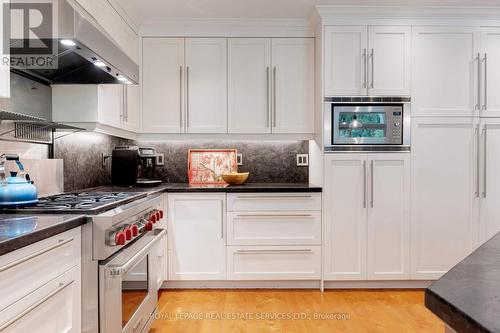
[{"x": 206, "y": 166}]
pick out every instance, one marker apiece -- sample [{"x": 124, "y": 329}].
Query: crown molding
[
  {"x": 409, "y": 14},
  {"x": 242, "y": 27}
]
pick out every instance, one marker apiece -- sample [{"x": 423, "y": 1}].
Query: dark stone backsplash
[{"x": 267, "y": 161}]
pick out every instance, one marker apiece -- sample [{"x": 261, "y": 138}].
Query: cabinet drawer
[
  {"x": 273, "y": 262},
  {"x": 273, "y": 201},
  {"x": 52, "y": 308},
  {"x": 274, "y": 228},
  {"x": 24, "y": 270}
]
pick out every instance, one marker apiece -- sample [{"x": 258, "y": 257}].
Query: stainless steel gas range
[{"x": 119, "y": 274}]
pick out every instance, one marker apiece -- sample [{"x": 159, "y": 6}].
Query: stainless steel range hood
[{"x": 77, "y": 63}]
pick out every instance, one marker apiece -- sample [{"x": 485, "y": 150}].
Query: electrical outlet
[
  {"x": 160, "y": 159},
  {"x": 104, "y": 159},
  {"x": 302, "y": 159},
  {"x": 239, "y": 159}
]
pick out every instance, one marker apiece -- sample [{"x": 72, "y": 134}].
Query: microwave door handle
[{"x": 116, "y": 270}]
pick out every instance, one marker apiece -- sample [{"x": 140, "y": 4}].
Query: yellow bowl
[{"x": 235, "y": 178}]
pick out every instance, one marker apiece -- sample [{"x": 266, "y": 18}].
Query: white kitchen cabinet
[
  {"x": 274, "y": 262},
  {"x": 196, "y": 236},
  {"x": 443, "y": 186},
  {"x": 345, "y": 217},
  {"x": 490, "y": 72},
  {"x": 4, "y": 68},
  {"x": 389, "y": 56},
  {"x": 109, "y": 19},
  {"x": 373, "y": 60},
  {"x": 112, "y": 105},
  {"x": 162, "y": 85},
  {"x": 132, "y": 107},
  {"x": 293, "y": 85},
  {"x": 345, "y": 60},
  {"x": 388, "y": 233},
  {"x": 366, "y": 226},
  {"x": 249, "y": 91},
  {"x": 445, "y": 71},
  {"x": 241, "y": 202},
  {"x": 206, "y": 85},
  {"x": 44, "y": 283},
  {"x": 129, "y": 41},
  {"x": 489, "y": 179}
]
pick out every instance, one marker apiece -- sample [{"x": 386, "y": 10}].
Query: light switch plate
[
  {"x": 239, "y": 159},
  {"x": 160, "y": 159},
  {"x": 302, "y": 159}
]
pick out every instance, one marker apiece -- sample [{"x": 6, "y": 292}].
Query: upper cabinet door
[
  {"x": 249, "y": 70},
  {"x": 445, "y": 71},
  {"x": 345, "y": 60},
  {"x": 111, "y": 104},
  {"x": 490, "y": 73},
  {"x": 389, "y": 60},
  {"x": 4, "y": 69},
  {"x": 162, "y": 71},
  {"x": 206, "y": 85},
  {"x": 132, "y": 107},
  {"x": 293, "y": 85}
]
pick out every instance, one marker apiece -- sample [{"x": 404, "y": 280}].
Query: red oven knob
[
  {"x": 161, "y": 213},
  {"x": 135, "y": 230},
  {"x": 120, "y": 238},
  {"x": 157, "y": 213},
  {"x": 128, "y": 233},
  {"x": 152, "y": 218},
  {"x": 149, "y": 226}
]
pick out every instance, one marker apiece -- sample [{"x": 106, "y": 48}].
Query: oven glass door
[
  {"x": 135, "y": 289},
  {"x": 365, "y": 124}
]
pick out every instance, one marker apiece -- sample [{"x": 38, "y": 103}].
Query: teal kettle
[{"x": 16, "y": 191}]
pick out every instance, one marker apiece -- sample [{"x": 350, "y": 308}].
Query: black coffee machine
[{"x": 133, "y": 166}]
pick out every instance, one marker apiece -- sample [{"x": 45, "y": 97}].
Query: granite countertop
[
  {"x": 245, "y": 188},
  {"x": 19, "y": 230},
  {"x": 467, "y": 298}
]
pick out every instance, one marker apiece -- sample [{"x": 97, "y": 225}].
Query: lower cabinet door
[
  {"x": 53, "y": 308},
  {"x": 196, "y": 236},
  {"x": 274, "y": 262},
  {"x": 388, "y": 229}
]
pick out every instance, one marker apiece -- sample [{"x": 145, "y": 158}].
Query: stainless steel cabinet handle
[
  {"x": 364, "y": 184},
  {"x": 373, "y": 70},
  {"x": 485, "y": 131},
  {"x": 187, "y": 98},
  {"x": 478, "y": 162},
  {"x": 478, "y": 104},
  {"x": 36, "y": 305},
  {"x": 276, "y": 215},
  {"x": 125, "y": 101},
  {"x": 268, "y": 122},
  {"x": 180, "y": 97},
  {"x": 35, "y": 254},
  {"x": 265, "y": 251},
  {"x": 274, "y": 96},
  {"x": 222, "y": 220},
  {"x": 372, "y": 170},
  {"x": 273, "y": 196},
  {"x": 364, "y": 68},
  {"x": 485, "y": 101}
]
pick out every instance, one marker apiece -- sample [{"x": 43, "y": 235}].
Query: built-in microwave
[{"x": 367, "y": 124}]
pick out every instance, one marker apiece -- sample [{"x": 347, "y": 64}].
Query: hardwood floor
[{"x": 262, "y": 311}]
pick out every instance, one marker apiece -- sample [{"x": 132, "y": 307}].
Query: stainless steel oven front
[
  {"x": 367, "y": 124},
  {"x": 128, "y": 289}
]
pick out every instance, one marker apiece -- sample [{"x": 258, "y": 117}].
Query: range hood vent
[{"x": 86, "y": 55}]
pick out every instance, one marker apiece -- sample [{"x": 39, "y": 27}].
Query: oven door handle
[{"x": 119, "y": 270}]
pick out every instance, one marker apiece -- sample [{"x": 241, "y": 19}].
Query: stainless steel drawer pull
[
  {"x": 364, "y": 68},
  {"x": 36, "y": 305},
  {"x": 277, "y": 215},
  {"x": 478, "y": 162},
  {"x": 35, "y": 254},
  {"x": 274, "y": 251},
  {"x": 275, "y": 197},
  {"x": 372, "y": 171},
  {"x": 364, "y": 184},
  {"x": 478, "y": 104}
]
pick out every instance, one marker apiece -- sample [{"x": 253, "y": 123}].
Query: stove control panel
[{"x": 125, "y": 233}]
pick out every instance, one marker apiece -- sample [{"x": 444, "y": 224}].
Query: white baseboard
[{"x": 308, "y": 284}]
